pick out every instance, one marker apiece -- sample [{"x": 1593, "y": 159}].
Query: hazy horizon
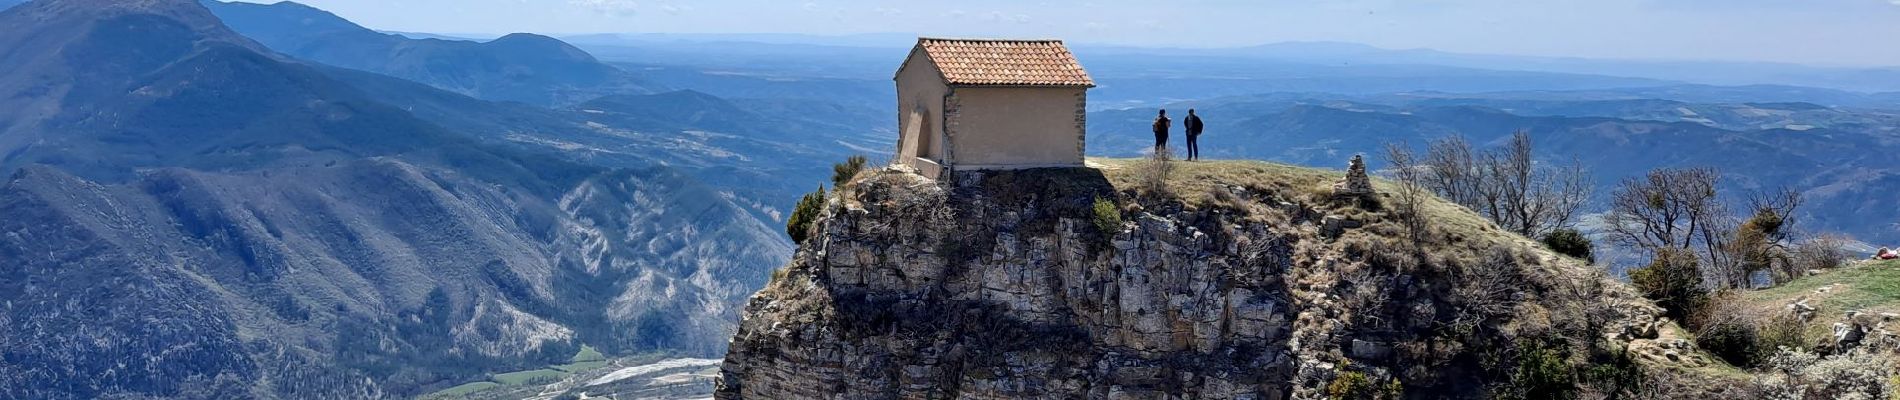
[{"x": 1840, "y": 33}]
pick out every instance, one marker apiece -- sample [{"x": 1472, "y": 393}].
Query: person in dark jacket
[
  {"x": 1162, "y": 123},
  {"x": 1193, "y": 126}
]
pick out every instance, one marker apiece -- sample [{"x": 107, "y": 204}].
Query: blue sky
[{"x": 1822, "y": 32}]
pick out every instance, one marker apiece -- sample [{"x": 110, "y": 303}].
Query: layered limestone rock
[{"x": 1004, "y": 285}]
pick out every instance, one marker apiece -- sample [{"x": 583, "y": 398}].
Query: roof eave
[
  {"x": 922, "y": 39},
  {"x": 1021, "y": 85}
]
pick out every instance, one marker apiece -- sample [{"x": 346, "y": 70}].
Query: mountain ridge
[
  {"x": 520, "y": 67},
  {"x": 239, "y": 224}
]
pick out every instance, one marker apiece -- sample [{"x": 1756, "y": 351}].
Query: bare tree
[
  {"x": 1533, "y": 201},
  {"x": 1653, "y": 211},
  {"x": 1677, "y": 209},
  {"x": 1453, "y": 170},
  {"x": 1411, "y": 193},
  {"x": 1508, "y": 185}
]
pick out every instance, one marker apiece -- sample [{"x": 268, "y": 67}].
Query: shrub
[
  {"x": 1153, "y": 174},
  {"x": 1820, "y": 253},
  {"x": 1612, "y": 373},
  {"x": 842, "y": 173},
  {"x": 1349, "y": 385},
  {"x": 780, "y": 274},
  {"x": 1543, "y": 371},
  {"x": 1674, "y": 281},
  {"x": 1356, "y": 385},
  {"x": 1778, "y": 332},
  {"x": 1732, "y": 340},
  {"x": 1108, "y": 217},
  {"x": 1795, "y": 374},
  {"x": 799, "y": 225},
  {"x": 1570, "y": 242},
  {"x": 1729, "y": 329},
  {"x": 1219, "y": 197}
]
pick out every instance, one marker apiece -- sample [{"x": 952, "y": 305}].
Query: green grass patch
[
  {"x": 462, "y": 390},
  {"x": 518, "y": 378},
  {"x": 580, "y": 366},
  {"x": 588, "y": 353},
  {"x": 1868, "y": 286}
]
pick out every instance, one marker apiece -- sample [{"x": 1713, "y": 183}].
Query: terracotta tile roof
[{"x": 1005, "y": 62}]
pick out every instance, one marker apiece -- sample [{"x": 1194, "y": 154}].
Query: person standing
[
  {"x": 1193, "y": 126},
  {"x": 1162, "y": 123}
]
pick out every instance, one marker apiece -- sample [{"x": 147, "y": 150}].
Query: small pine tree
[
  {"x": 1108, "y": 218},
  {"x": 1570, "y": 242},
  {"x": 799, "y": 225},
  {"x": 842, "y": 173}
]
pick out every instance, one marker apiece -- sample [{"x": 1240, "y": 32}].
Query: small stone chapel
[{"x": 968, "y": 104}]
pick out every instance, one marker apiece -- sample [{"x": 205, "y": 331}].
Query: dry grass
[
  {"x": 1202, "y": 184},
  {"x": 1191, "y": 182}
]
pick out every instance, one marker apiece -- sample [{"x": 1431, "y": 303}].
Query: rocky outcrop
[{"x": 1001, "y": 286}]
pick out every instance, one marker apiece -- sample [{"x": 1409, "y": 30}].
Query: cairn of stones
[{"x": 1356, "y": 183}]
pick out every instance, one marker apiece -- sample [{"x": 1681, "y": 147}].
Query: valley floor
[{"x": 592, "y": 376}]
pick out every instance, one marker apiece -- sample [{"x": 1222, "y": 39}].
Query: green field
[
  {"x": 580, "y": 366},
  {"x": 463, "y": 390},
  {"x": 523, "y": 377},
  {"x": 588, "y": 353},
  {"x": 1866, "y": 286},
  {"x": 586, "y": 359}
]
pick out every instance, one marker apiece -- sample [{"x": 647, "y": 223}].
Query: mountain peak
[
  {"x": 269, "y": 22},
  {"x": 524, "y": 37},
  {"x": 540, "y": 46},
  {"x": 521, "y": 67},
  {"x": 61, "y": 20},
  {"x": 182, "y": 9}
]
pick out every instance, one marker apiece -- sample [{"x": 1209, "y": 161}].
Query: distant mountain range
[
  {"x": 851, "y": 49},
  {"x": 1841, "y": 158},
  {"x": 1701, "y": 72},
  {"x": 764, "y": 140},
  {"x": 190, "y": 215},
  {"x": 520, "y": 67}
]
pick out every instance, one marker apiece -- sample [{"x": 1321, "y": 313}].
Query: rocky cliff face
[
  {"x": 1003, "y": 286},
  {"x": 296, "y": 283}
]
